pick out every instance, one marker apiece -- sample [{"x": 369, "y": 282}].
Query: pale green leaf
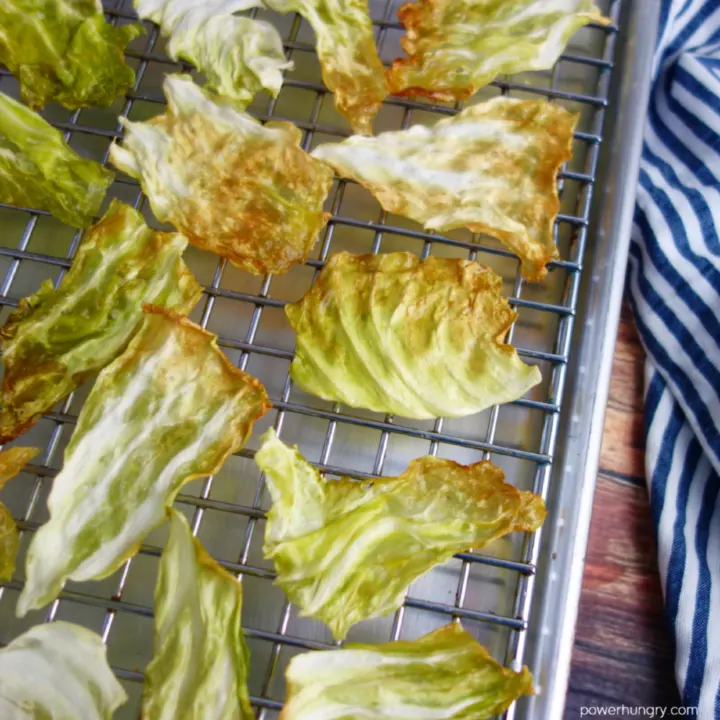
[
  {"x": 64, "y": 50},
  {"x": 57, "y": 339},
  {"x": 239, "y": 56},
  {"x": 445, "y": 675},
  {"x": 491, "y": 168},
  {"x": 171, "y": 408},
  {"x": 12, "y": 462},
  {"x": 349, "y": 60},
  {"x": 240, "y": 189},
  {"x": 346, "y": 551},
  {"x": 455, "y": 47},
  {"x": 9, "y": 543},
  {"x": 419, "y": 339},
  {"x": 38, "y": 169},
  {"x": 57, "y": 671},
  {"x": 200, "y": 665}
]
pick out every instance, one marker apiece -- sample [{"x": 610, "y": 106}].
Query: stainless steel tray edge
[{"x": 562, "y": 562}]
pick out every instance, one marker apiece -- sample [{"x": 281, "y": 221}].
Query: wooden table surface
[{"x": 622, "y": 651}]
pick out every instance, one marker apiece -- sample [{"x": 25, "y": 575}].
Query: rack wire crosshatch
[{"x": 492, "y": 590}]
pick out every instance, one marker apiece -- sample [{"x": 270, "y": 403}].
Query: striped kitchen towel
[{"x": 674, "y": 284}]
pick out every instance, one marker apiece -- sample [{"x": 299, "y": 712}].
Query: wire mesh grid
[{"x": 490, "y": 590}]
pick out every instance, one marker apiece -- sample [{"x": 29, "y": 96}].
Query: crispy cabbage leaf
[
  {"x": 200, "y": 665},
  {"x": 346, "y": 551},
  {"x": 349, "y": 60},
  {"x": 57, "y": 670},
  {"x": 170, "y": 409},
  {"x": 38, "y": 169},
  {"x": 238, "y": 55},
  {"x": 491, "y": 168},
  {"x": 12, "y": 462},
  {"x": 445, "y": 675},
  {"x": 245, "y": 191},
  {"x": 456, "y": 47},
  {"x": 394, "y": 334},
  {"x": 57, "y": 339},
  {"x": 64, "y": 50}
]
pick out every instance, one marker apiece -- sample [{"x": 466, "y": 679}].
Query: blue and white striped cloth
[{"x": 674, "y": 283}]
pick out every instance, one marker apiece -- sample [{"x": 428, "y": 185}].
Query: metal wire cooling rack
[{"x": 493, "y": 591}]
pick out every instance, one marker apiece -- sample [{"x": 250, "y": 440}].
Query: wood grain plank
[
  {"x": 622, "y": 653},
  {"x": 623, "y": 450}
]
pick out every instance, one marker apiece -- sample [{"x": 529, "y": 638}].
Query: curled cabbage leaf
[
  {"x": 491, "y": 168},
  {"x": 57, "y": 670},
  {"x": 445, "y": 675},
  {"x": 242, "y": 190},
  {"x": 456, "y": 47},
  {"x": 346, "y": 551},
  {"x": 57, "y": 339},
  {"x": 238, "y": 55},
  {"x": 38, "y": 169},
  {"x": 12, "y": 461},
  {"x": 200, "y": 665},
  {"x": 170, "y": 409},
  {"x": 349, "y": 60},
  {"x": 394, "y": 334},
  {"x": 63, "y": 50}
]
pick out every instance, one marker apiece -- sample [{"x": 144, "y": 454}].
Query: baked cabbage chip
[
  {"x": 394, "y": 334},
  {"x": 63, "y": 50},
  {"x": 58, "y": 339},
  {"x": 238, "y": 55},
  {"x": 200, "y": 665},
  {"x": 57, "y": 670},
  {"x": 491, "y": 168},
  {"x": 456, "y": 47},
  {"x": 346, "y": 551},
  {"x": 170, "y": 409},
  {"x": 242, "y": 190},
  {"x": 445, "y": 675},
  {"x": 349, "y": 61},
  {"x": 12, "y": 461},
  {"x": 39, "y": 170}
]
